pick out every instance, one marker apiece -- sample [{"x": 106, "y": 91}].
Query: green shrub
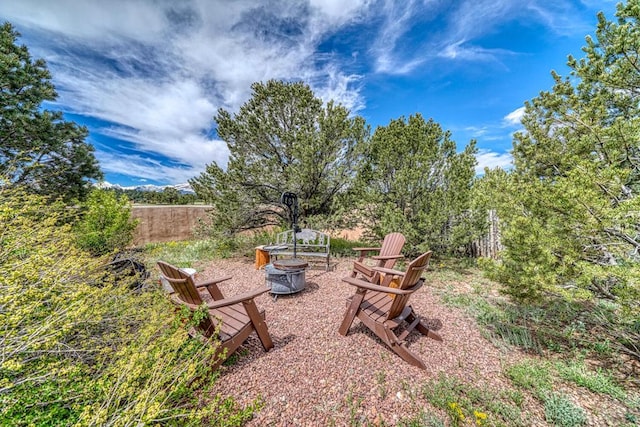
[
  {"x": 106, "y": 223},
  {"x": 518, "y": 336},
  {"x": 421, "y": 420},
  {"x": 79, "y": 350},
  {"x": 530, "y": 375},
  {"x": 344, "y": 248},
  {"x": 560, "y": 411},
  {"x": 188, "y": 253},
  {"x": 596, "y": 381},
  {"x": 183, "y": 254}
]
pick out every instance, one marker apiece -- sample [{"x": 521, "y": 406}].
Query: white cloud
[
  {"x": 452, "y": 30},
  {"x": 462, "y": 51},
  {"x": 158, "y": 70},
  {"x": 169, "y": 118},
  {"x": 398, "y": 18},
  {"x": 476, "y": 131},
  {"x": 475, "y": 18},
  {"x": 140, "y": 166},
  {"x": 95, "y": 20},
  {"x": 491, "y": 159},
  {"x": 172, "y": 107},
  {"x": 338, "y": 12},
  {"x": 514, "y": 118},
  {"x": 337, "y": 88}
]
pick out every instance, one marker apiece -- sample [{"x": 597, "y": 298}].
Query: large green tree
[
  {"x": 414, "y": 181},
  {"x": 282, "y": 139},
  {"x": 38, "y": 148},
  {"x": 570, "y": 210}
]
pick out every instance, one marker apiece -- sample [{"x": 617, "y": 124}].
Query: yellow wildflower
[{"x": 480, "y": 417}]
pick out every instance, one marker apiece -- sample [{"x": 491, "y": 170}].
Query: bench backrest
[{"x": 306, "y": 237}]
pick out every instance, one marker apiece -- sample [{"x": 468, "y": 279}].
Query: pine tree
[
  {"x": 39, "y": 150},
  {"x": 414, "y": 181},
  {"x": 570, "y": 210},
  {"x": 282, "y": 139}
]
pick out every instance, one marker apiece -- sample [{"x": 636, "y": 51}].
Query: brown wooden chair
[
  {"x": 236, "y": 317},
  {"x": 387, "y": 256},
  {"x": 383, "y": 309}
]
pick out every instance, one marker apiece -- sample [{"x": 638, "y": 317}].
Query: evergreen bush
[{"x": 106, "y": 224}]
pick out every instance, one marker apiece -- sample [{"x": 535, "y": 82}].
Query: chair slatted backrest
[
  {"x": 412, "y": 276},
  {"x": 181, "y": 282},
  {"x": 391, "y": 245},
  {"x": 185, "y": 290}
]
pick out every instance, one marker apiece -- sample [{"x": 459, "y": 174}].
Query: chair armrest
[
  {"x": 377, "y": 288},
  {"x": 366, "y": 249},
  {"x": 385, "y": 257},
  {"x": 212, "y": 287},
  {"x": 364, "y": 252},
  {"x": 247, "y": 296},
  {"x": 212, "y": 282},
  {"x": 388, "y": 271}
]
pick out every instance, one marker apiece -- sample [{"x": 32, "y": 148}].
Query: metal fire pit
[{"x": 286, "y": 276}]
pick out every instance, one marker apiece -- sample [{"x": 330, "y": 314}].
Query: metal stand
[
  {"x": 287, "y": 276},
  {"x": 290, "y": 200}
]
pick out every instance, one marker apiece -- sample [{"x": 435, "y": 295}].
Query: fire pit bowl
[{"x": 286, "y": 276}]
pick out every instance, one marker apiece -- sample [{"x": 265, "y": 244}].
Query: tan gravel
[{"x": 314, "y": 376}]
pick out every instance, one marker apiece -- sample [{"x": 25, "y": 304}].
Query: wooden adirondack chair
[
  {"x": 236, "y": 317},
  {"x": 384, "y": 309},
  {"x": 387, "y": 256}
]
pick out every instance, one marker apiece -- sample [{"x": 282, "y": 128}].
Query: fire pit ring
[{"x": 290, "y": 264}]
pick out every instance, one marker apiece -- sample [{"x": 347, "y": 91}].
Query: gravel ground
[{"x": 314, "y": 376}]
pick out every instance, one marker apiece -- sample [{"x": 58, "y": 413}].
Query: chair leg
[
  {"x": 399, "y": 346},
  {"x": 221, "y": 354},
  {"x": 351, "y": 312},
  {"x": 408, "y": 356},
  {"x": 259, "y": 324},
  {"x": 424, "y": 329}
]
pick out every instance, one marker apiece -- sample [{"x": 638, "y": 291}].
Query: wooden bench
[{"x": 309, "y": 244}]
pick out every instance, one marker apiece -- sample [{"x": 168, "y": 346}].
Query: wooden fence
[
  {"x": 489, "y": 246},
  {"x": 162, "y": 223},
  {"x": 165, "y": 223}
]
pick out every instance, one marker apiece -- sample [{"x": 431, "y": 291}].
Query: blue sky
[{"x": 147, "y": 76}]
